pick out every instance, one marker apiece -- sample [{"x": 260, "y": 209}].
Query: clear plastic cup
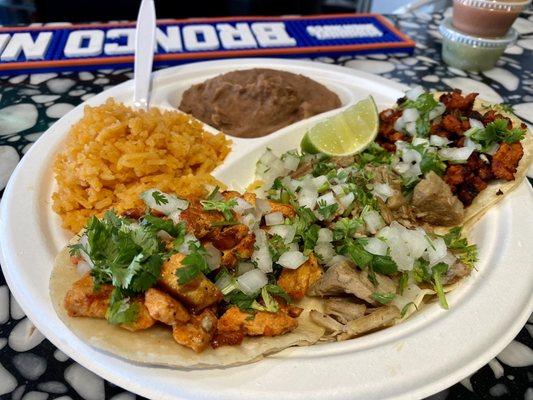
[
  {"x": 472, "y": 53},
  {"x": 486, "y": 18}
]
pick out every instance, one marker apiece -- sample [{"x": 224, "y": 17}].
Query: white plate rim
[{"x": 9, "y": 256}]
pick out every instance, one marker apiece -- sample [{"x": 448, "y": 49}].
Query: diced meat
[
  {"x": 387, "y": 135},
  {"x": 198, "y": 332},
  {"x": 454, "y": 124},
  {"x": 242, "y": 251},
  {"x": 200, "y": 222},
  {"x": 492, "y": 115},
  {"x": 506, "y": 159},
  {"x": 467, "y": 180},
  {"x": 297, "y": 281},
  {"x": 325, "y": 321},
  {"x": 228, "y": 237},
  {"x": 456, "y": 101},
  {"x": 379, "y": 318},
  {"x": 144, "y": 319},
  {"x": 343, "y": 309},
  {"x": 197, "y": 294},
  {"x": 434, "y": 202},
  {"x": 133, "y": 213},
  {"x": 82, "y": 300},
  {"x": 260, "y": 323},
  {"x": 457, "y": 271},
  {"x": 343, "y": 278},
  {"x": 162, "y": 307}
]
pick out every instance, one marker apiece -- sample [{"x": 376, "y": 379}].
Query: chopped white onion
[
  {"x": 187, "y": 241},
  {"x": 325, "y": 235},
  {"x": 438, "y": 141},
  {"x": 410, "y": 128},
  {"x": 290, "y": 161},
  {"x": 474, "y": 123},
  {"x": 308, "y": 198},
  {"x": 319, "y": 181},
  {"x": 244, "y": 267},
  {"x": 413, "y": 93},
  {"x": 337, "y": 189},
  {"x": 250, "y": 221},
  {"x": 376, "y": 246},
  {"x": 411, "y": 156},
  {"x": 405, "y": 245},
  {"x": 292, "y": 259},
  {"x": 338, "y": 259},
  {"x": 287, "y": 232},
  {"x": 471, "y": 144},
  {"x": 242, "y": 206},
  {"x": 328, "y": 198},
  {"x": 347, "y": 200},
  {"x": 410, "y": 114},
  {"x": 263, "y": 206},
  {"x": 213, "y": 257},
  {"x": 420, "y": 141},
  {"x": 373, "y": 221},
  {"x": 226, "y": 284},
  {"x": 173, "y": 203},
  {"x": 383, "y": 191},
  {"x": 436, "y": 251},
  {"x": 399, "y": 124},
  {"x": 252, "y": 282},
  {"x": 275, "y": 218},
  {"x": 261, "y": 255},
  {"x": 293, "y": 247},
  {"x": 437, "y": 111},
  {"x": 325, "y": 251},
  {"x": 175, "y": 216},
  {"x": 457, "y": 154}
]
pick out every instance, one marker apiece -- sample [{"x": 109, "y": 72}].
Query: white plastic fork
[{"x": 144, "y": 54}]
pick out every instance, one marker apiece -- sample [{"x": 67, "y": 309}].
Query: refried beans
[{"x": 256, "y": 102}]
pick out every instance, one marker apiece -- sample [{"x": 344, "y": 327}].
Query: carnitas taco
[{"x": 319, "y": 248}]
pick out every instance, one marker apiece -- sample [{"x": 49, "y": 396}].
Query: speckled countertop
[{"x": 31, "y": 368}]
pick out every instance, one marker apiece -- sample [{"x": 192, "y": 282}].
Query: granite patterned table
[{"x": 31, "y": 368}]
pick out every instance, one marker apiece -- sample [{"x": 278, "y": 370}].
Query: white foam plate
[{"x": 427, "y": 353}]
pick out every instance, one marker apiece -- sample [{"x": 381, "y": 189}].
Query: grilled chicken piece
[
  {"x": 198, "y": 332},
  {"x": 162, "y": 307},
  {"x": 198, "y": 293},
  {"x": 434, "y": 203},
  {"x": 297, "y": 281},
  {"x": 506, "y": 159},
  {"x": 83, "y": 301},
  {"x": 286, "y": 209},
  {"x": 199, "y": 221},
  {"x": 144, "y": 319},
  {"x": 228, "y": 237},
  {"x": 262, "y": 323},
  {"x": 343, "y": 310},
  {"x": 241, "y": 251},
  {"x": 344, "y": 278},
  {"x": 377, "y": 319}
]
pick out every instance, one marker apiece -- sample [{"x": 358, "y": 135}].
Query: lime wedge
[{"x": 346, "y": 133}]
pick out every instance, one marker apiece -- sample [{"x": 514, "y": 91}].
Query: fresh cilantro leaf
[
  {"x": 323, "y": 166},
  {"x": 159, "y": 224},
  {"x": 459, "y": 246},
  {"x": 240, "y": 299},
  {"x": 374, "y": 154},
  {"x": 496, "y": 131},
  {"x": 423, "y": 103},
  {"x": 276, "y": 290},
  {"x": 327, "y": 211},
  {"x": 356, "y": 253},
  {"x": 402, "y": 284},
  {"x": 310, "y": 237},
  {"x": 121, "y": 310},
  {"x": 193, "y": 264},
  {"x": 277, "y": 247},
  {"x": 223, "y": 206},
  {"x": 438, "y": 271},
  {"x": 159, "y": 198},
  {"x": 421, "y": 271},
  {"x": 406, "y": 308},
  {"x": 383, "y": 298},
  {"x": 384, "y": 265},
  {"x": 345, "y": 228}
]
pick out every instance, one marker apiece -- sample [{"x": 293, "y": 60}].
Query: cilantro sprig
[
  {"x": 223, "y": 206},
  {"x": 495, "y": 132},
  {"x": 194, "y": 264}
]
